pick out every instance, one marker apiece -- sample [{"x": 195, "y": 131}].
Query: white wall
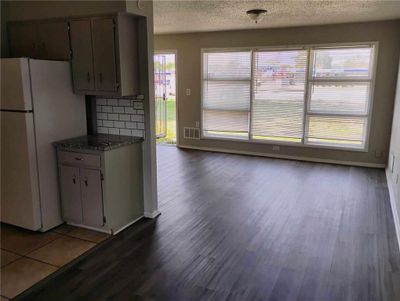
[{"x": 393, "y": 169}]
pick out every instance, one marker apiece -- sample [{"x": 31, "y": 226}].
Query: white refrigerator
[{"x": 38, "y": 107}]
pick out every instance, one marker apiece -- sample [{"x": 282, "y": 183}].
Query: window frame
[{"x": 309, "y": 47}]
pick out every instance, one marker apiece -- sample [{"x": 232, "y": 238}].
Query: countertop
[{"x": 98, "y": 142}]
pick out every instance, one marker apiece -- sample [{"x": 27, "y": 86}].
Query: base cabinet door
[
  {"x": 92, "y": 197},
  {"x": 71, "y": 194}
]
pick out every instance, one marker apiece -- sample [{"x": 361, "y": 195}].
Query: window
[
  {"x": 339, "y": 93},
  {"x": 226, "y": 94},
  {"x": 307, "y": 96},
  {"x": 278, "y": 97}
]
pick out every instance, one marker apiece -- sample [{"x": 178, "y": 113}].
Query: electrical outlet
[
  {"x": 188, "y": 92},
  {"x": 197, "y": 124},
  {"x": 276, "y": 147}
]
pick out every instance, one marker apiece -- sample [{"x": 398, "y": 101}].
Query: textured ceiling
[{"x": 204, "y": 15}]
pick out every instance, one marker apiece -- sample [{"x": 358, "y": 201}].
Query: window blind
[
  {"x": 278, "y": 100},
  {"x": 312, "y": 95},
  {"x": 339, "y": 96},
  {"x": 226, "y": 94}
]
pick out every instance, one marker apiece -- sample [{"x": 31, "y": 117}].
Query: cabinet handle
[
  {"x": 78, "y": 158},
  {"x": 86, "y": 182},
  {"x": 88, "y": 77},
  {"x": 74, "y": 180},
  {"x": 101, "y": 77}
]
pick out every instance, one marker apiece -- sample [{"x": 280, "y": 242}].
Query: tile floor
[{"x": 27, "y": 257}]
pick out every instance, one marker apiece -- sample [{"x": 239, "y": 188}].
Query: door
[
  {"x": 71, "y": 194},
  {"x": 53, "y": 43},
  {"x": 82, "y": 54},
  {"x": 104, "y": 54},
  {"x": 23, "y": 40},
  {"x": 20, "y": 203},
  {"x": 92, "y": 197},
  {"x": 160, "y": 85}
]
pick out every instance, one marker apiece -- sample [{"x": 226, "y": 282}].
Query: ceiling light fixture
[{"x": 256, "y": 14}]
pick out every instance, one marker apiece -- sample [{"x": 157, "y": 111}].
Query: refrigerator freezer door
[
  {"x": 15, "y": 85},
  {"x": 20, "y": 203},
  {"x": 59, "y": 114}
]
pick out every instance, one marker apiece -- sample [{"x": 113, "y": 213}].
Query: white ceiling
[{"x": 204, "y": 15}]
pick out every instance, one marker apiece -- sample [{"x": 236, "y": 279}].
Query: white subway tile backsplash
[
  {"x": 101, "y": 116},
  {"x": 138, "y": 118},
  {"x": 102, "y": 130},
  {"x": 125, "y": 117},
  {"x": 113, "y": 131},
  {"x": 137, "y": 133},
  {"x": 120, "y": 117},
  {"x": 119, "y": 124},
  {"x": 138, "y": 105},
  {"x": 112, "y": 117},
  {"x": 125, "y": 102},
  {"x": 107, "y": 109},
  {"x": 130, "y": 125},
  {"x": 101, "y": 101},
  {"x": 108, "y": 123},
  {"x": 118, "y": 110},
  {"x": 112, "y": 102},
  {"x": 130, "y": 110},
  {"x": 125, "y": 132}
]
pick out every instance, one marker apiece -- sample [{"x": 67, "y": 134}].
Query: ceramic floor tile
[
  {"x": 64, "y": 229},
  {"x": 61, "y": 251},
  {"x": 22, "y": 274},
  {"x": 21, "y": 241},
  {"x": 89, "y": 235},
  {"x": 8, "y": 257}
]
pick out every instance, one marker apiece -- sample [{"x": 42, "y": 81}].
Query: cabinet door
[
  {"x": 82, "y": 54},
  {"x": 71, "y": 194},
  {"x": 53, "y": 40},
  {"x": 92, "y": 197},
  {"x": 104, "y": 54},
  {"x": 23, "y": 40}
]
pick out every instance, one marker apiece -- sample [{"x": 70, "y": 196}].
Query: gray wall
[{"x": 386, "y": 33}]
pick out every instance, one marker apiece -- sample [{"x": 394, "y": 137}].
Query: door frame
[{"x": 174, "y": 52}]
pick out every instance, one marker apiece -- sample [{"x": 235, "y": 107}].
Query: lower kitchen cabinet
[
  {"x": 101, "y": 189},
  {"x": 71, "y": 192}
]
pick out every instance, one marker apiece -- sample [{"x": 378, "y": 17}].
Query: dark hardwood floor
[{"x": 247, "y": 228}]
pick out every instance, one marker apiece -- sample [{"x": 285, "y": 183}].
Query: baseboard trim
[
  {"x": 90, "y": 228},
  {"x": 285, "y": 157},
  {"x": 153, "y": 214},
  {"x": 392, "y": 196},
  {"x": 127, "y": 225}
]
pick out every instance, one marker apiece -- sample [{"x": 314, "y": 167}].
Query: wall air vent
[{"x": 191, "y": 133}]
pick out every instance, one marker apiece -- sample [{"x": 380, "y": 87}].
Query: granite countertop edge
[{"x": 88, "y": 142}]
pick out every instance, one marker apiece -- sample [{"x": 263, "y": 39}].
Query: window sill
[{"x": 289, "y": 144}]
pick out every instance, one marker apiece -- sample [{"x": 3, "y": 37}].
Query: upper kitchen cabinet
[
  {"x": 46, "y": 39},
  {"x": 105, "y": 55}
]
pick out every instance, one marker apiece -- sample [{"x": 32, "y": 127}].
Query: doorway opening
[{"x": 165, "y": 97}]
